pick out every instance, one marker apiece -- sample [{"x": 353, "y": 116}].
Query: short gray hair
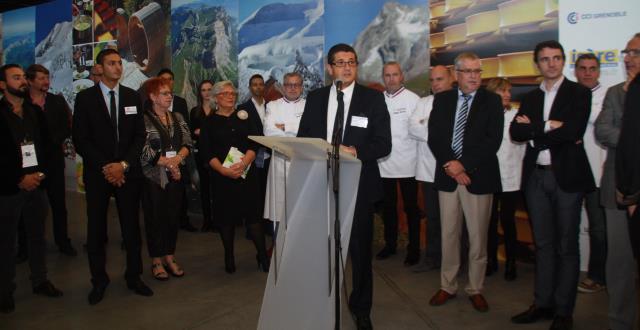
[
  {"x": 291, "y": 74},
  {"x": 217, "y": 88},
  {"x": 464, "y": 56}
]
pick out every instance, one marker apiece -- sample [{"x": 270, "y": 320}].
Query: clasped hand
[
  {"x": 173, "y": 165},
  {"x": 456, "y": 171},
  {"x": 114, "y": 174}
]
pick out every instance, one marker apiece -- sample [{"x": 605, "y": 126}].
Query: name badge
[
  {"x": 399, "y": 111},
  {"x": 171, "y": 154},
  {"x": 132, "y": 110},
  {"x": 359, "y": 121},
  {"x": 29, "y": 158}
]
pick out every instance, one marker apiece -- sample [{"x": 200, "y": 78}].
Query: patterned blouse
[{"x": 179, "y": 136}]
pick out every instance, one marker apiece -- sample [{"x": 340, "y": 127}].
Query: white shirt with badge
[
  {"x": 419, "y": 130},
  {"x": 401, "y": 162},
  {"x": 596, "y": 152},
  {"x": 289, "y": 113},
  {"x": 332, "y": 109}
]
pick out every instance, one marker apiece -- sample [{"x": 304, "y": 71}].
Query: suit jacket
[
  {"x": 58, "y": 116},
  {"x": 569, "y": 162},
  {"x": 254, "y": 117},
  {"x": 371, "y": 143},
  {"x": 180, "y": 106},
  {"x": 95, "y": 137},
  {"x": 482, "y": 139},
  {"x": 628, "y": 151},
  {"x": 607, "y": 132}
]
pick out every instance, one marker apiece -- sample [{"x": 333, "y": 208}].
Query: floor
[{"x": 208, "y": 298}]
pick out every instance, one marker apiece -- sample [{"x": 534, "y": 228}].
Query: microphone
[{"x": 338, "y": 83}]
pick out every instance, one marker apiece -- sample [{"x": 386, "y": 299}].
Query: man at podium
[{"x": 367, "y": 136}]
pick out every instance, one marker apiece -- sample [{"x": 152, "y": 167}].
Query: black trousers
[
  {"x": 162, "y": 212},
  {"x": 409, "y": 190},
  {"x": 56, "y": 193},
  {"x": 98, "y": 194},
  {"x": 503, "y": 210},
  {"x": 434, "y": 228},
  {"x": 555, "y": 219},
  {"x": 31, "y": 206},
  {"x": 361, "y": 297},
  {"x": 205, "y": 189}
]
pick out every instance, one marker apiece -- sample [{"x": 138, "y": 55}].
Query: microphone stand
[{"x": 336, "y": 141}]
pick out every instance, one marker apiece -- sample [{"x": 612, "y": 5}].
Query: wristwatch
[{"x": 125, "y": 166}]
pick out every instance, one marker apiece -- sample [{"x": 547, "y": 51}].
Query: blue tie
[{"x": 458, "y": 129}]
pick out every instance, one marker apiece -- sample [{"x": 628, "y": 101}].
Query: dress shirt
[
  {"x": 260, "y": 108},
  {"x": 107, "y": 97},
  {"x": 333, "y": 108},
  {"x": 544, "y": 157}
]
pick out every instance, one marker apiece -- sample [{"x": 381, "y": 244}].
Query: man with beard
[
  {"x": 23, "y": 166},
  {"x": 58, "y": 118}
]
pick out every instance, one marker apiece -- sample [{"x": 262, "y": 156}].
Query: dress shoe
[
  {"x": 68, "y": 250},
  {"x": 510, "y": 273},
  {"x": 562, "y": 323},
  {"x": 533, "y": 314},
  {"x": 7, "y": 304},
  {"x": 412, "y": 258},
  {"x": 96, "y": 294},
  {"x": 385, "y": 253},
  {"x": 363, "y": 322},
  {"x": 139, "y": 287},
  {"x": 46, "y": 288},
  {"x": 440, "y": 298},
  {"x": 479, "y": 303}
]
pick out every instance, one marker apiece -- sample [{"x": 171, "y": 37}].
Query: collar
[
  {"x": 596, "y": 87},
  {"x": 472, "y": 94},
  {"x": 400, "y": 90},
  {"x": 105, "y": 90},
  {"x": 294, "y": 101},
  {"x": 555, "y": 86},
  {"x": 256, "y": 102},
  {"x": 347, "y": 91}
]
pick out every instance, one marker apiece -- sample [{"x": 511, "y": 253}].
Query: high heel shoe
[
  {"x": 229, "y": 264},
  {"x": 510, "y": 273},
  {"x": 175, "y": 272},
  {"x": 159, "y": 273},
  {"x": 263, "y": 263}
]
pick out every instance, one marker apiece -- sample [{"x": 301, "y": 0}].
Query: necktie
[
  {"x": 458, "y": 129},
  {"x": 113, "y": 112},
  {"x": 336, "y": 135}
]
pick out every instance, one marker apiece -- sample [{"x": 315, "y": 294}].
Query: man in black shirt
[
  {"x": 23, "y": 167},
  {"x": 58, "y": 117}
]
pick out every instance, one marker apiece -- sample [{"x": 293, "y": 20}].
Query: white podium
[{"x": 300, "y": 288}]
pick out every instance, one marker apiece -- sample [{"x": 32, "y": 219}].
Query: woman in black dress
[
  {"x": 167, "y": 144},
  {"x": 234, "y": 180},
  {"x": 198, "y": 115}
]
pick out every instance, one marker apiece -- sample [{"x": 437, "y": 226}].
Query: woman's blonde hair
[{"x": 217, "y": 88}]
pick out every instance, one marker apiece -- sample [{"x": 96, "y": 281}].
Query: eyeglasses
[
  {"x": 469, "y": 72},
  {"x": 227, "y": 94},
  {"x": 292, "y": 85},
  {"x": 166, "y": 94},
  {"x": 630, "y": 52},
  {"x": 342, "y": 64}
]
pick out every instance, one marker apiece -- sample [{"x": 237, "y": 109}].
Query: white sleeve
[
  {"x": 419, "y": 121},
  {"x": 270, "y": 119}
]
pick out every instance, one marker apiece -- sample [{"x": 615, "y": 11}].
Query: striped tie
[{"x": 458, "y": 129}]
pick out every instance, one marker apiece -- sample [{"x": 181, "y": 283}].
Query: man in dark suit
[
  {"x": 465, "y": 132},
  {"x": 179, "y": 105},
  {"x": 58, "y": 115},
  {"x": 555, "y": 176},
  {"x": 367, "y": 136},
  {"x": 108, "y": 132},
  {"x": 24, "y": 141},
  {"x": 256, "y": 107}
]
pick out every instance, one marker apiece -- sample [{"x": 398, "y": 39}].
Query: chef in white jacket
[
  {"x": 282, "y": 118},
  {"x": 441, "y": 80}
]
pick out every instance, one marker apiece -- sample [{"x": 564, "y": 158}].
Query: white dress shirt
[
  {"x": 544, "y": 156},
  {"x": 332, "y": 108},
  {"x": 400, "y": 163},
  {"x": 260, "y": 108},
  {"x": 283, "y": 111},
  {"x": 419, "y": 130}
]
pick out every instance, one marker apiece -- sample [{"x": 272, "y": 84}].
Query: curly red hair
[{"x": 153, "y": 85}]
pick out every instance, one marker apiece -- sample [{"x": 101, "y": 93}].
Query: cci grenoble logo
[{"x": 574, "y": 17}]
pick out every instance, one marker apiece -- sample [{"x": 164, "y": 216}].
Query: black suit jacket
[
  {"x": 180, "y": 106},
  {"x": 95, "y": 137},
  {"x": 371, "y": 143},
  {"x": 482, "y": 138},
  {"x": 58, "y": 117},
  {"x": 569, "y": 162},
  {"x": 254, "y": 117}
]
